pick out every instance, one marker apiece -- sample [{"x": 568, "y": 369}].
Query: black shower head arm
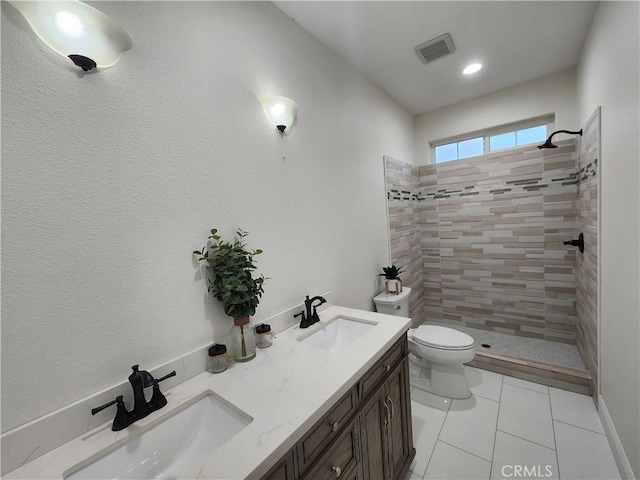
[{"x": 548, "y": 143}]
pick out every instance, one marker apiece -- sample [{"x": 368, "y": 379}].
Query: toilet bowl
[{"x": 437, "y": 355}]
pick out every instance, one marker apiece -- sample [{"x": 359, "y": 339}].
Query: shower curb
[{"x": 565, "y": 378}]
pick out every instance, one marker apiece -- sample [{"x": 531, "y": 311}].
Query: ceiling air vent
[{"x": 436, "y": 48}]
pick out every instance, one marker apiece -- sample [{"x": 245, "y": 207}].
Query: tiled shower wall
[
  {"x": 491, "y": 230},
  {"x": 587, "y": 263},
  {"x": 404, "y": 230}
]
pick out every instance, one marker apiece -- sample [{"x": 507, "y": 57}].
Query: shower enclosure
[{"x": 482, "y": 245}]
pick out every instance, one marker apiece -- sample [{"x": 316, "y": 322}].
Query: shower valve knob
[{"x": 577, "y": 243}]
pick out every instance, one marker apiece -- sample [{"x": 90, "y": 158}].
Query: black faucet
[
  {"x": 139, "y": 380},
  {"x": 310, "y": 318}
]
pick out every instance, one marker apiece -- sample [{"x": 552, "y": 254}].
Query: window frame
[{"x": 486, "y": 134}]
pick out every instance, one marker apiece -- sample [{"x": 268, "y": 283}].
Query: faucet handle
[
  {"x": 303, "y": 321},
  {"x": 158, "y": 399},
  {"x": 122, "y": 418},
  {"x": 118, "y": 400},
  {"x": 168, "y": 375}
]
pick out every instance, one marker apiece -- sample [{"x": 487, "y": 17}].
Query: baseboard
[{"x": 626, "y": 472}]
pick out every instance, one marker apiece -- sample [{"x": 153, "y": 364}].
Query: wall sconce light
[
  {"x": 548, "y": 143},
  {"x": 77, "y": 31},
  {"x": 281, "y": 111}
]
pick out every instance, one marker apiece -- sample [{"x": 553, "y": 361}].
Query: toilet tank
[{"x": 392, "y": 304}]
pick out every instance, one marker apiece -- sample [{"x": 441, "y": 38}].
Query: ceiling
[{"x": 516, "y": 41}]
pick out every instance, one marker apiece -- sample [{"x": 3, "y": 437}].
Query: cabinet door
[
  {"x": 374, "y": 421},
  {"x": 400, "y": 441},
  {"x": 284, "y": 471}
]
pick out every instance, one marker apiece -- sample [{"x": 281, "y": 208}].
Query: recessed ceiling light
[{"x": 473, "y": 68}]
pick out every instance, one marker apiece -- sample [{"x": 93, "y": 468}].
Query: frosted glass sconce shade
[
  {"x": 76, "y": 30},
  {"x": 281, "y": 111}
]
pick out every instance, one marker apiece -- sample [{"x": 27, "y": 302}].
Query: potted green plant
[
  {"x": 392, "y": 283},
  {"x": 233, "y": 284}
]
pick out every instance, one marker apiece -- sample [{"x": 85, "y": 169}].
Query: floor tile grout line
[
  {"x": 437, "y": 438},
  {"x": 526, "y": 440},
  {"x": 553, "y": 429},
  {"x": 495, "y": 434},
  {"x": 473, "y": 394},
  {"x": 485, "y": 398},
  {"x": 528, "y": 388},
  {"x": 465, "y": 451},
  {"x": 446, "y": 414},
  {"x": 531, "y": 390},
  {"x": 581, "y": 428}
]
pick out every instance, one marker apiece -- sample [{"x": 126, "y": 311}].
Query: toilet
[{"x": 436, "y": 353}]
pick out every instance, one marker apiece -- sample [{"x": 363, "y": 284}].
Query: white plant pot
[{"x": 393, "y": 287}]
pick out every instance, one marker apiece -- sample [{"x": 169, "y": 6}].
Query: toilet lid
[{"x": 442, "y": 337}]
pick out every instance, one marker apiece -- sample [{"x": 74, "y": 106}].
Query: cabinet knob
[
  {"x": 337, "y": 471},
  {"x": 335, "y": 426},
  {"x": 387, "y": 368}
]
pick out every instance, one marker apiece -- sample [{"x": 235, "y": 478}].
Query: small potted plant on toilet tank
[
  {"x": 232, "y": 283},
  {"x": 392, "y": 282}
]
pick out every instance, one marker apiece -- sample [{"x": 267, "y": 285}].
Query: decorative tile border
[{"x": 417, "y": 194}]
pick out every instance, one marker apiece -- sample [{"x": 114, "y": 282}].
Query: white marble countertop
[{"x": 285, "y": 389}]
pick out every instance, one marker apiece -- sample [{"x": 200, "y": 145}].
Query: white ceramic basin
[
  {"x": 170, "y": 447},
  {"x": 337, "y": 334}
]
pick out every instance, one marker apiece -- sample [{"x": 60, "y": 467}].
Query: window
[
  {"x": 518, "y": 138},
  {"x": 458, "y": 150},
  {"x": 509, "y": 136}
]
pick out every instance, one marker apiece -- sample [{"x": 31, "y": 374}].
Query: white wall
[
  {"x": 110, "y": 180},
  {"x": 608, "y": 76},
  {"x": 553, "y": 94}
]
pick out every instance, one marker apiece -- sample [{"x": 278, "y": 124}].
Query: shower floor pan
[{"x": 541, "y": 361}]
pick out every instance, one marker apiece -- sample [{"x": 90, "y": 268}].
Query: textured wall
[
  {"x": 491, "y": 230},
  {"x": 550, "y": 95},
  {"x": 608, "y": 77},
  {"x": 587, "y": 262},
  {"x": 111, "y": 179}
]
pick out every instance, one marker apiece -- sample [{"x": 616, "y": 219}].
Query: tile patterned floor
[
  {"x": 523, "y": 347},
  {"x": 509, "y": 429}
]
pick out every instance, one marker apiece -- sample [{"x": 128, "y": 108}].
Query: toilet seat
[{"x": 442, "y": 338}]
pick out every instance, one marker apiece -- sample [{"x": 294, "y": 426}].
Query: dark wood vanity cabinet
[
  {"x": 342, "y": 459},
  {"x": 365, "y": 435},
  {"x": 386, "y": 428},
  {"x": 283, "y": 470}
]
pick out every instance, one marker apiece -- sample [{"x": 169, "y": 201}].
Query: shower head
[{"x": 548, "y": 143}]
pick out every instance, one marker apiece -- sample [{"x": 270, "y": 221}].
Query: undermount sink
[
  {"x": 337, "y": 334},
  {"x": 170, "y": 447}
]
